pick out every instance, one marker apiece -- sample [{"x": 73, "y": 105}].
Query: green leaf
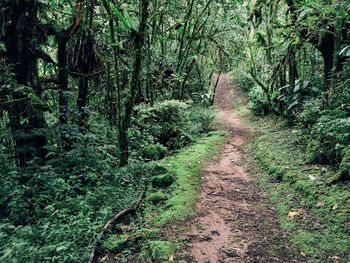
[
  {"x": 128, "y": 19},
  {"x": 121, "y": 17},
  {"x": 345, "y": 52}
]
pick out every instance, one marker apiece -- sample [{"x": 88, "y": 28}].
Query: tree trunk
[
  {"x": 134, "y": 84},
  {"x": 82, "y": 102},
  {"x": 26, "y": 120}
]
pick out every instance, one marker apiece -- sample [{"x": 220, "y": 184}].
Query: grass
[
  {"x": 186, "y": 166},
  {"x": 277, "y": 157},
  {"x": 166, "y": 205},
  {"x": 322, "y": 232}
]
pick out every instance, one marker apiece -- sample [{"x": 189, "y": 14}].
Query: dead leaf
[
  {"x": 295, "y": 213},
  {"x": 335, "y": 207},
  {"x": 312, "y": 178},
  {"x": 126, "y": 228},
  {"x": 320, "y": 204},
  {"x": 171, "y": 258},
  {"x": 336, "y": 259}
]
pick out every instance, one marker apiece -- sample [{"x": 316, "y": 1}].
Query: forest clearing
[{"x": 197, "y": 131}]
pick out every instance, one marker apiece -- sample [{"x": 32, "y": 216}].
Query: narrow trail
[{"x": 235, "y": 222}]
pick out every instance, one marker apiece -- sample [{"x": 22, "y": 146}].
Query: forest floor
[{"x": 235, "y": 221}]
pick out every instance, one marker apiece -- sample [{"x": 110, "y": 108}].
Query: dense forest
[{"x": 94, "y": 94}]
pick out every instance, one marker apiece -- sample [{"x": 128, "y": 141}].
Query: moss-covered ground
[
  {"x": 320, "y": 229},
  {"x": 166, "y": 204}
]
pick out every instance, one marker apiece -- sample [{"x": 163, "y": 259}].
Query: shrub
[
  {"x": 154, "y": 152},
  {"x": 344, "y": 169},
  {"x": 156, "y": 197},
  {"x": 310, "y": 113},
  {"x": 242, "y": 79},
  {"x": 57, "y": 214},
  {"x": 161, "y": 250},
  {"x": 172, "y": 124},
  {"x": 258, "y": 103},
  {"x": 163, "y": 180},
  {"x": 330, "y": 136}
]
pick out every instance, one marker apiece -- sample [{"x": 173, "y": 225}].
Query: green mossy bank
[
  {"x": 322, "y": 230},
  {"x": 167, "y": 202}
]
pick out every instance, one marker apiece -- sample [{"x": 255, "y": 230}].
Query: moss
[
  {"x": 155, "y": 168},
  {"x": 186, "y": 166},
  {"x": 163, "y": 180},
  {"x": 292, "y": 183},
  {"x": 114, "y": 243},
  {"x": 344, "y": 169},
  {"x": 157, "y": 197},
  {"x": 154, "y": 152},
  {"x": 161, "y": 250}
]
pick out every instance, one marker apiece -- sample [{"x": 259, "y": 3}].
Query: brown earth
[{"x": 235, "y": 222}]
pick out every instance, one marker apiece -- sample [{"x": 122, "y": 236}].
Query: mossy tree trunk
[
  {"x": 135, "y": 83},
  {"x": 22, "y": 38}
]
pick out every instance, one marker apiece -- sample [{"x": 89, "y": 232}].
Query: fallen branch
[{"x": 111, "y": 222}]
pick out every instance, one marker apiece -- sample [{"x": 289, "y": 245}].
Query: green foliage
[
  {"x": 163, "y": 180},
  {"x": 58, "y": 213},
  {"x": 242, "y": 79},
  {"x": 310, "y": 113},
  {"x": 329, "y": 137},
  {"x": 322, "y": 232},
  {"x": 157, "y": 197},
  {"x": 114, "y": 243},
  {"x": 258, "y": 102},
  {"x": 160, "y": 250},
  {"x": 345, "y": 164},
  {"x": 171, "y": 124},
  {"x": 154, "y": 152},
  {"x": 185, "y": 167},
  {"x": 344, "y": 168}
]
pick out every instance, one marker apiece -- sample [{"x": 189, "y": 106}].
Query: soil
[{"x": 235, "y": 222}]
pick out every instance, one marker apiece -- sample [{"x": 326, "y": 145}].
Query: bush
[
  {"x": 242, "y": 79},
  {"x": 154, "y": 152},
  {"x": 344, "y": 169},
  {"x": 258, "y": 103},
  {"x": 157, "y": 197},
  {"x": 310, "y": 113},
  {"x": 163, "y": 180},
  {"x": 161, "y": 250},
  {"x": 172, "y": 124},
  {"x": 330, "y": 136},
  {"x": 57, "y": 214}
]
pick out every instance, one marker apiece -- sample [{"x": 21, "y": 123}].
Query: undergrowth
[
  {"x": 279, "y": 156},
  {"x": 322, "y": 231},
  {"x": 170, "y": 202}
]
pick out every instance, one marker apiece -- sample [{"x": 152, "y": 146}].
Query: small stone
[
  {"x": 204, "y": 237},
  {"x": 230, "y": 252},
  {"x": 215, "y": 232}
]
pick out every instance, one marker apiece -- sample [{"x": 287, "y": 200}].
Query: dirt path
[{"x": 235, "y": 222}]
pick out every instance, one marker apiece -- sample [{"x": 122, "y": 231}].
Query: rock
[
  {"x": 205, "y": 238},
  {"x": 230, "y": 252},
  {"x": 215, "y": 232}
]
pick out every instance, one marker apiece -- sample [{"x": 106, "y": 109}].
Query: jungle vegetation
[{"x": 92, "y": 92}]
